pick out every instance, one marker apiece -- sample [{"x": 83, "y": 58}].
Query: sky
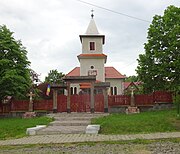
[{"x": 50, "y": 29}]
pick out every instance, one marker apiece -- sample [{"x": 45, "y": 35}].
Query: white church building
[{"x": 92, "y": 62}]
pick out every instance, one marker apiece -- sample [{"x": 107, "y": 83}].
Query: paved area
[
  {"x": 73, "y": 138},
  {"x": 73, "y": 123}
]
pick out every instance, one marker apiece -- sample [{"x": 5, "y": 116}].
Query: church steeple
[
  {"x": 92, "y": 28},
  {"x": 92, "y": 59},
  {"x": 92, "y": 31}
]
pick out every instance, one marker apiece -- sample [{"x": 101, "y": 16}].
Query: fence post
[
  {"x": 105, "y": 93},
  {"x": 92, "y": 97},
  {"x": 68, "y": 97},
  {"x": 54, "y": 100}
]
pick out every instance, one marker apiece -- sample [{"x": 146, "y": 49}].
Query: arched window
[
  {"x": 71, "y": 90},
  {"x": 111, "y": 90},
  {"x": 115, "y": 90},
  {"x": 75, "y": 90}
]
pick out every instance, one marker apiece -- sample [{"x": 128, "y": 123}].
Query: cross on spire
[{"x": 92, "y": 15}]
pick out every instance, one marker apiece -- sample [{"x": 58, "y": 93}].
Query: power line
[
  {"x": 130, "y": 64},
  {"x": 123, "y": 14}
]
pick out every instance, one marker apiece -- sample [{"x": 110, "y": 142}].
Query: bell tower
[{"x": 92, "y": 59}]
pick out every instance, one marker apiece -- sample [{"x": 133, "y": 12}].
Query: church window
[
  {"x": 92, "y": 45},
  {"x": 75, "y": 90},
  {"x": 71, "y": 90},
  {"x": 92, "y": 67},
  {"x": 111, "y": 90},
  {"x": 115, "y": 90}
]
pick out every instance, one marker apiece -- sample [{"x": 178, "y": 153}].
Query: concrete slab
[
  {"x": 70, "y": 123},
  {"x": 62, "y": 130},
  {"x": 92, "y": 129},
  {"x": 32, "y": 130}
]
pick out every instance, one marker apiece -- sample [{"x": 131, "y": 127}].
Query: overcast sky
[{"x": 50, "y": 29}]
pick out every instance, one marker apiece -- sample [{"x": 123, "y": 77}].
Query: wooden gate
[
  {"x": 99, "y": 103},
  {"x": 81, "y": 103},
  {"x": 61, "y": 103}
]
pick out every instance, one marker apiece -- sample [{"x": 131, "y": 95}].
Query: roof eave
[{"x": 93, "y": 35}]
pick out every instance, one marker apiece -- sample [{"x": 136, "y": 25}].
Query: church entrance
[
  {"x": 82, "y": 103},
  {"x": 94, "y": 100}
]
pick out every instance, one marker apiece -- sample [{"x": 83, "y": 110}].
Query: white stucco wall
[
  {"x": 73, "y": 85},
  {"x": 98, "y": 44},
  {"x": 85, "y": 66},
  {"x": 117, "y": 83}
]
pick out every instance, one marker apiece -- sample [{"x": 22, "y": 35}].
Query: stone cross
[
  {"x": 132, "y": 96},
  {"x": 30, "y": 101}
]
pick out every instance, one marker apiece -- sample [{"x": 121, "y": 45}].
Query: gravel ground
[{"x": 97, "y": 148}]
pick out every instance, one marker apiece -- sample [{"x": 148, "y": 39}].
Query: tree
[
  {"x": 54, "y": 77},
  {"x": 14, "y": 66},
  {"x": 159, "y": 67},
  {"x": 132, "y": 78}
]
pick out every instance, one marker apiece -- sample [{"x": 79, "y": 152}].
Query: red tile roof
[
  {"x": 127, "y": 84},
  {"x": 74, "y": 72},
  {"x": 110, "y": 73},
  {"x": 92, "y": 55}
]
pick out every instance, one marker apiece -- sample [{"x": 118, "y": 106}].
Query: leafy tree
[
  {"x": 159, "y": 67},
  {"x": 132, "y": 78},
  {"x": 14, "y": 66},
  {"x": 54, "y": 77}
]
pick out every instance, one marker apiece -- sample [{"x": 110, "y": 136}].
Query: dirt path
[{"x": 96, "y": 148}]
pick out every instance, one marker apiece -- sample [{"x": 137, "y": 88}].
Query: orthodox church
[{"x": 92, "y": 61}]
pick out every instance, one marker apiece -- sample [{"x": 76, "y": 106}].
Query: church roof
[
  {"x": 97, "y": 56},
  {"x": 92, "y": 31},
  {"x": 92, "y": 28},
  {"x": 110, "y": 73}
]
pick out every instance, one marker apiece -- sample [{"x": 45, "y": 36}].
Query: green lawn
[
  {"x": 146, "y": 122},
  {"x": 16, "y": 127}
]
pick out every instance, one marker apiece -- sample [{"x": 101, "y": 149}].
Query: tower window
[{"x": 92, "y": 45}]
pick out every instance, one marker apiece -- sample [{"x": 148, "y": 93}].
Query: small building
[
  {"x": 92, "y": 61},
  {"x": 128, "y": 86}
]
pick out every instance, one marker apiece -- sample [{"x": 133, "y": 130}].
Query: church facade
[{"x": 92, "y": 63}]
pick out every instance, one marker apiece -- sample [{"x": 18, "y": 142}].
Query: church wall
[
  {"x": 98, "y": 45},
  {"x": 117, "y": 83},
  {"x": 85, "y": 66}
]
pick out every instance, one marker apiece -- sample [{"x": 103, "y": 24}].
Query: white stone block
[
  {"x": 92, "y": 129},
  {"x": 32, "y": 130}
]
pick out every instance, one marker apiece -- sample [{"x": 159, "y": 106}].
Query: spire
[{"x": 92, "y": 29}]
